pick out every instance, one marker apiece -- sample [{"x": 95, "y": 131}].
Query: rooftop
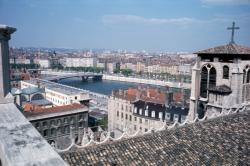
[
  {"x": 152, "y": 95},
  {"x": 221, "y": 89},
  {"x": 55, "y": 111},
  {"x": 219, "y": 141},
  {"x": 227, "y": 49},
  {"x": 64, "y": 89},
  {"x": 41, "y": 102}
]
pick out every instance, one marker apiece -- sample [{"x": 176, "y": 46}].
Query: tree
[
  {"x": 126, "y": 72},
  {"x": 103, "y": 123}
]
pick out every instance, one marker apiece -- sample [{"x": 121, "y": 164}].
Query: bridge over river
[
  {"x": 64, "y": 74},
  {"x": 56, "y": 76}
]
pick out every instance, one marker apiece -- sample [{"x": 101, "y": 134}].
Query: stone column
[
  {"x": 237, "y": 84},
  {"x": 5, "y": 33},
  {"x": 195, "y": 90}
]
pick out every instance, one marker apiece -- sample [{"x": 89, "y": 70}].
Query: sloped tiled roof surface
[
  {"x": 220, "y": 141},
  {"x": 227, "y": 49},
  {"x": 221, "y": 89},
  {"x": 64, "y": 108}
]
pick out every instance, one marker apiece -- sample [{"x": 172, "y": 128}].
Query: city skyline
[{"x": 132, "y": 25}]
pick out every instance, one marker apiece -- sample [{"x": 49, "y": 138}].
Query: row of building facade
[{"x": 142, "y": 109}]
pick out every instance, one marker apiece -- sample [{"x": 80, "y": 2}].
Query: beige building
[
  {"x": 81, "y": 62},
  {"x": 140, "y": 67},
  {"x": 125, "y": 110}
]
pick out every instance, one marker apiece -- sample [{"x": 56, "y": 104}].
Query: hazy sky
[{"x": 163, "y": 25}]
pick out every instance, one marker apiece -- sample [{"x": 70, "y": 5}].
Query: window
[
  {"x": 45, "y": 133},
  {"x": 208, "y": 79},
  {"x": 146, "y": 129},
  {"x": 37, "y": 125},
  {"x": 65, "y": 120},
  {"x": 246, "y": 76},
  {"x": 153, "y": 114},
  {"x": 80, "y": 124},
  {"x": 67, "y": 129},
  {"x": 176, "y": 117},
  {"x": 135, "y": 110},
  {"x": 160, "y": 115},
  {"x": 140, "y": 120},
  {"x": 135, "y": 119},
  {"x": 146, "y": 112},
  {"x": 126, "y": 116},
  {"x": 130, "y": 117},
  {"x": 117, "y": 113},
  {"x": 225, "y": 72},
  {"x": 134, "y": 127},
  {"x": 122, "y": 115},
  {"x": 168, "y": 116},
  {"x": 204, "y": 79},
  {"x": 45, "y": 123},
  {"x": 72, "y": 119},
  {"x": 140, "y": 111},
  {"x": 183, "y": 118},
  {"x": 75, "y": 97},
  {"x": 52, "y": 122},
  {"x": 53, "y": 131},
  {"x": 59, "y": 121}
]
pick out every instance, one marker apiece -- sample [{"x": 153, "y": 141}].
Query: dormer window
[
  {"x": 135, "y": 110},
  {"x": 140, "y": 111},
  {"x": 225, "y": 72},
  {"x": 146, "y": 112},
  {"x": 153, "y": 114},
  {"x": 160, "y": 115}
]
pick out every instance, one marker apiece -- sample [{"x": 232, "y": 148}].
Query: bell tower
[{"x": 220, "y": 78}]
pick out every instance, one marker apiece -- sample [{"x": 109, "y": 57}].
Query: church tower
[{"x": 220, "y": 79}]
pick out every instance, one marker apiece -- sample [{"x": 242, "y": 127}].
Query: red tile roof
[{"x": 39, "y": 110}]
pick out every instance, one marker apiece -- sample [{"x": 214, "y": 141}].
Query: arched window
[
  {"x": 53, "y": 131},
  {"x": 225, "y": 72},
  {"x": 204, "y": 80},
  {"x": 208, "y": 79},
  {"x": 212, "y": 77},
  {"x": 246, "y": 76}
]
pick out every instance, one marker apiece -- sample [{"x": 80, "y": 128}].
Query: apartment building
[
  {"x": 142, "y": 109},
  {"x": 81, "y": 62}
]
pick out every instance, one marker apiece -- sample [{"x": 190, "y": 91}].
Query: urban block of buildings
[{"x": 218, "y": 139}]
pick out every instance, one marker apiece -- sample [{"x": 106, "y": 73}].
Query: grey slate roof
[
  {"x": 221, "y": 89},
  {"x": 227, "y": 49},
  {"x": 220, "y": 141}
]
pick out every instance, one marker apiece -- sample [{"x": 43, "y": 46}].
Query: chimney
[
  {"x": 138, "y": 94},
  {"x": 5, "y": 32},
  {"x": 148, "y": 93}
]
